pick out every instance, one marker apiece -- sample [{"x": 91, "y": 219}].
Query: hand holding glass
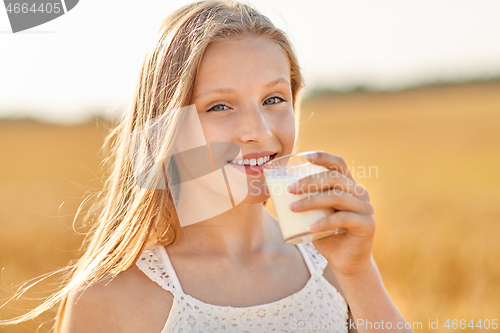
[{"x": 280, "y": 173}]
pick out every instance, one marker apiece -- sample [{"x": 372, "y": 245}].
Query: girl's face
[{"x": 243, "y": 95}]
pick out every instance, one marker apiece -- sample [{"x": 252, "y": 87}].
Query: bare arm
[
  {"x": 90, "y": 311},
  {"x": 128, "y": 303},
  {"x": 330, "y": 277},
  {"x": 369, "y": 302}
]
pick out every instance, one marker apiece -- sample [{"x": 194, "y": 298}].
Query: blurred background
[{"x": 407, "y": 93}]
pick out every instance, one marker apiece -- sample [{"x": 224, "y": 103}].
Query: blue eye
[
  {"x": 215, "y": 106},
  {"x": 274, "y": 97}
]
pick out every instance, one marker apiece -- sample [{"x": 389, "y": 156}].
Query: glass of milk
[{"x": 280, "y": 173}]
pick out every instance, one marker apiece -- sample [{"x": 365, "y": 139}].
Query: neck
[{"x": 237, "y": 233}]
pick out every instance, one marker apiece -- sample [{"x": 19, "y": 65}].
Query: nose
[{"x": 254, "y": 127}]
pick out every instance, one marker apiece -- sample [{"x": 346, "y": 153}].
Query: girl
[{"x": 144, "y": 272}]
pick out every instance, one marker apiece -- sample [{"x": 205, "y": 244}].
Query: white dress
[{"x": 317, "y": 307}]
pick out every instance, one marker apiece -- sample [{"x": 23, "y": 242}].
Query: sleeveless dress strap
[
  {"x": 154, "y": 262},
  {"x": 316, "y": 263}
]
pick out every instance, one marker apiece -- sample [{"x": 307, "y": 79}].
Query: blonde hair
[{"x": 124, "y": 217}]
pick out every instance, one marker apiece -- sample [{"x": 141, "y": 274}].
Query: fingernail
[
  {"x": 292, "y": 187},
  {"x": 312, "y": 155},
  {"x": 314, "y": 226},
  {"x": 295, "y": 205}
]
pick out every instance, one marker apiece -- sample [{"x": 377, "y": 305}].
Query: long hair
[{"x": 124, "y": 217}]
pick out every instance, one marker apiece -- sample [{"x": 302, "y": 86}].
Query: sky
[{"x": 87, "y": 60}]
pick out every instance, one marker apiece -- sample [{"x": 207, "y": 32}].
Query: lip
[{"x": 259, "y": 154}]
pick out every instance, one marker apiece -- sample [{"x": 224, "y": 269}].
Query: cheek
[
  {"x": 284, "y": 130},
  {"x": 216, "y": 131}
]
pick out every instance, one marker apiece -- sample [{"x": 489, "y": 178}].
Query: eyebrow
[{"x": 228, "y": 90}]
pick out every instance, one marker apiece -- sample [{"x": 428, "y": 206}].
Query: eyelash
[{"x": 222, "y": 104}]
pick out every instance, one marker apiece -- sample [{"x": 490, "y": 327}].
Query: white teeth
[{"x": 252, "y": 161}]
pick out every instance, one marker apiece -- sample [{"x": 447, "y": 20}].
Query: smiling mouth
[{"x": 253, "y": 161}]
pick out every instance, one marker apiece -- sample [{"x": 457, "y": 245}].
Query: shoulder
[{"x": 129, "y": 302}]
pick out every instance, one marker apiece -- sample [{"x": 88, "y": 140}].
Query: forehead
[{"x": 242, "y": 60}]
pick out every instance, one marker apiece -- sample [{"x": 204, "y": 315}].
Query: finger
[
  {"x": 331, "y": 162},
  {"x": 328, "y": 180},
  {"x": 360, "y": 225},
  {"x": 333, "y": 198}
]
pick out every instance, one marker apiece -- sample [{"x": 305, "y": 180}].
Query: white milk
[{"x": 294, "y": 225}]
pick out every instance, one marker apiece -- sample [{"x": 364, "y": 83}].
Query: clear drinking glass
[{"x": 280, "y": 173}]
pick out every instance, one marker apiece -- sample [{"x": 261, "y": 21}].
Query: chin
[
  {"x": 257, "y": 193},
  {"x": 255, "y": 199}
]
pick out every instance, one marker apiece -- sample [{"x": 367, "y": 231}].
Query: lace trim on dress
[
  {"x": 159, "y": 268},
  {"x": 316, "y": 262},
  {"x": 154, "y": 262},
  {"x": 318, "y": 301}
]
